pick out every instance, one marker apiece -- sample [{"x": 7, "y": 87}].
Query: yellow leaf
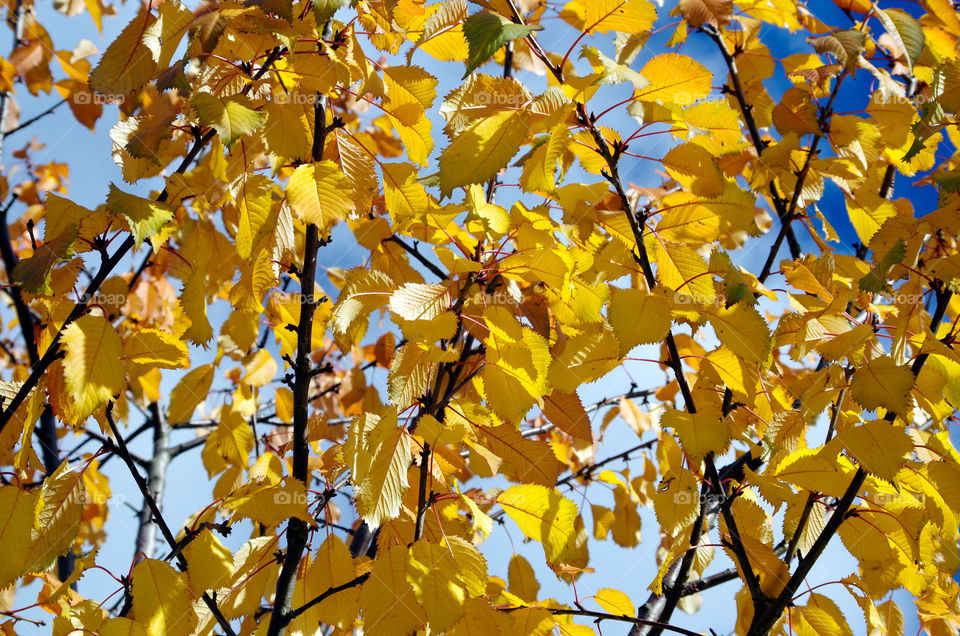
[
  {"x": 357, "y": 165},
  {"x": 232, "y": 117},
  {"x": 412, "y": 372},
  {"x": 189, "y": 393},
  {"x": 879, "y": 447},
  {"x": 695, "y": 169},
  {"x": 287, "y": 132},
  {"x": 677, "y": 501},
  {"x": 16, "y": 522},
  {"x": 121, "y": 626},
  {"x": 604, "y": 16},
  {"x": 566, "y": 412},
  {"x": 432, "y": 571},
  {"x": 260, "y": 370},
  {"x": 332, "y": 566},
  {"x": 210, "y": 563},
  {"x": 740, "y": 377},
  {"x": 481, "y": 151},
  {"x": 388, "y": 601},
  {"x": 319, "y": 193},
  {"x": 675, "y": 79},
  {"x": 699, "y": 433},
  {"x": 405, "y": 197},
  {"x": 638, "y": 317},
  {"x": 144, "y": 217},
  {"x": 127, "y": 63},
  {"x": 234, "y": 438},
  {"x": 164, "y": 36},
  {"x": 685, "y": 272},
  {"x": 615, "y": 602},
  {"x": 156, "y": 348},
  {"x": 585, "y": 357},
  {"x": 58, "y": 515},
  {"x": 378, "y": 454},
  {"x": 515, "y": 375},
  {"x": 820, "y": 615},
  {"x": 270, "y": 505},
  {"x": 162, "y": 602},
  {"x": 743, "y": 330},
  {"x": 254, "y": 199},
  {"x": 420, "y": 301},
  {"x": 542, "y": 514},
  {"x": 522, "y": 580},
  {"x": 92, "y": 367},
  {"x": 529, "y": 461},
  {"x": 883, "y": 383},
  {"x": 539, "y": 170}
]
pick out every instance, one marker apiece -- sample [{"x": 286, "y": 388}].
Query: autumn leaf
[
  {"x": 882, "y": 383},
  {"x": 162, "y": 601},
  {"x": 144, "y": 217},
  {"x": 479, "y": 152},
  {"x": 542, "y": 514},
  {"x": 488, "y": 32},
  {"x": 93, "y": 369},
  {"x": 318, "y": 194},
  {"x": 231, "y": 117},
  {"x": 880, "y": 447}
]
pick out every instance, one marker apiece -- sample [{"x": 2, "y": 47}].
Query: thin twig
[{"x": 158, "y": 517}]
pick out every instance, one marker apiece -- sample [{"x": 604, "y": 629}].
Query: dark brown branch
[
  {"x": 587, "y": 471},
  {"x": 35, "y": 118},
  {"x": 767, "y": 613},
  {"x": 183, "y": 447},
  {"x": 791, "y": 213},
  {"x": 746, "y": 109},
  {"x": 603, "y": 616},
  {"x": 327, "y": 594},
  {"x": 415, "y": 253},
  {"x": 158, "y": 517},
  {"x": 109, "y": 264},
  {"x": 297, "y": 530}
]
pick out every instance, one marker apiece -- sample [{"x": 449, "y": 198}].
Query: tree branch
[
  {"x": 746, "y": 109},
  {"x": 791, "y": 213},
  {"x": 156, "y": 481},
  {"x": 415, "y": 253},
  {"x": 327, "y": 594},
  {"x": 623, "y": 618},
  {"x": 303, "y": 373},
  {"x": 158, "y": 517},
  {"x": 767, "y": 613},
  {"x": 35, "y": 118},
  {"x": 53, "y": 350}
]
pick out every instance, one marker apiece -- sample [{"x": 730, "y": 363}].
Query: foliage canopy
[{"x": 788, "y": 319}]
